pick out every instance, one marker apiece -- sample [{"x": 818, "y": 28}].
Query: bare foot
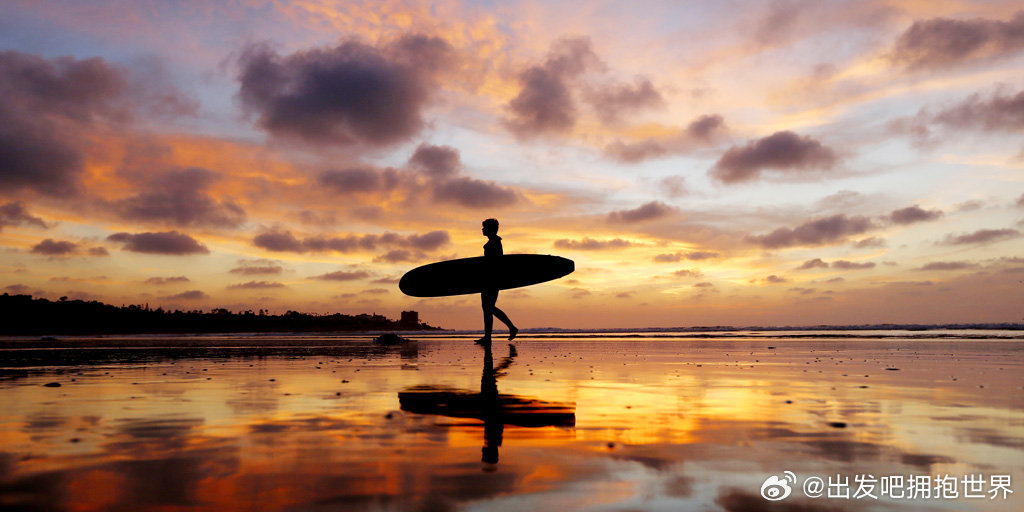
[
  {"x": 512, "y": 331},
  {"x": 486, "y": 340}
]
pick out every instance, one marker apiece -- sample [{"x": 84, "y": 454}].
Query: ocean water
[{"x": 604, "y": 421}]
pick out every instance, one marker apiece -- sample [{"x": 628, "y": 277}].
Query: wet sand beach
[{"x": 601, "y": 422}]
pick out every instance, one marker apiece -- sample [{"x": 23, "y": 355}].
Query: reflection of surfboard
[
  {"x": 474, "y": 275},
  {"x": 509, "y": 409}
]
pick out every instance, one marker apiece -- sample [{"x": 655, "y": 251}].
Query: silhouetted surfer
[{"x": 489, "y": 297}]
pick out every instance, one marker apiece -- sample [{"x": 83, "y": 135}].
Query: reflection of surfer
[
  {"x": 494, "y": 424},
  {"x": 489, "y": 297}
]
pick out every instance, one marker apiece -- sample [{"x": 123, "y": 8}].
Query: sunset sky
[{"x": 703, "y": 163}]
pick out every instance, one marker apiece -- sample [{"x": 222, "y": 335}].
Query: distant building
[{"x": 410, "y": 319}]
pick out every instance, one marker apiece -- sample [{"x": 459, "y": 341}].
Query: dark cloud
[
  {"x": 781, "y": 151},
  {"x": 98, "y": 251},
  {"x": 673, "y": 186},
  {"x": 816, "y": 232},
  {"x": 398, "y": 256},
  {"x": 815, "y": 263},
  {"x": 285, "y": 241},
  {"x": 700, "y": 255},
  {"x": 579, "y": 293},
  {"x": 51, "y": 247},
  {"x": 343, "y": 275},
  {"x": 474, "y": 193},
  {"x": 256, "y": 285},
  {"x": 998, "y": 113},
  {"x": 981, "y": 236},
  {"x": 634, "y": 152},
  {"x": 41, "y": 103},
  {"x": 360, "y": 179},
  {"x": 688, "y": 272},
  {"x": 349, "y": 94},
  {"x": 612, "y": 101},
  {"x": 774, "y": 279},
  {"x": 870, "y": 242},
  {"x": 705, "y": 127},
  {"x": 425, "y": 53},
  {"x": 47, "y": 104},
  {"x": 166, "y": 280},
  {"x": 701, "y": 132},
  {"x": 852, "y": 265},
  {"x": 944, "y": 42},
  {"x": 428, "y": 241},
  {"x": 913, "y": 214},
  {"x": 279, "y": 241},
  {"x": 1020, "y": 201},
  {"x": 589, "y": 244},
  {"x": 545, "y": 102},
  {"x": 189, "y": 295},
  {"x": 436, "y": 161},
  {"x": 16, "y": 214},
  {"x": 257, "y": 266},
  {"x": 647, "y": 211},
  {"x": 704, "y": 284},
  {"x": 168, "y": 242},
  {"x": 180, "y": 197},
  {"x": 947, "y": 265},
  {"x": 17, "y": 288}
]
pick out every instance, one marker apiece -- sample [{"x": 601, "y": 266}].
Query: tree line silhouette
[{"x": 25, "y": 315}]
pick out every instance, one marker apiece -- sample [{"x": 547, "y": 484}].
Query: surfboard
[{"x": 474, "y": 275}]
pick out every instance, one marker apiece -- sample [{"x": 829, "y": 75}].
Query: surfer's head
[{"x": 490, "y": 227}]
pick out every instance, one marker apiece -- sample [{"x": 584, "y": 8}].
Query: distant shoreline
[{"x": 28, "y": 316}]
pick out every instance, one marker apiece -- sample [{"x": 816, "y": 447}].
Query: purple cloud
[
  {"x": 913, "y": 214},
  {"x": 168, "y": 242},
  {"x": 256, "y": 285},
  {"x": 781, "y": 151},
  {"x": 159, "y": 281},
  {"x": 474, "y": 193},
  {"x": 51, "y": 247},
  {"x": 701, "y": 132},
  {"x": 816, "y": 232},
  {"x": 613, "y": 101},
  {"x": 590, "y": 244},
  {"x": 181, "y": 197},
  {"x": 944, "y": 42},
  {"x": 285, "y": 241},
  {"x": 16, "y": 214},
  {"x": 545, "y": 103},
  {"x": 188, "y": 295},
  {"x": 436, "y": 161},
  {"x": 647, "y": 211},
  {"x": 343, "y": 275},
  {"x": 349, "y": 94},
  {"x": 981, "y": 236}
]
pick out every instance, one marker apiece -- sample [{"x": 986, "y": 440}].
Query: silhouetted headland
[{"x": 25, "y": 315}]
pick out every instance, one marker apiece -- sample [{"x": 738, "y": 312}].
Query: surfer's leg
[
  {"x": 504, "y": 318},
  {"x": 487, "y": 300}
]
